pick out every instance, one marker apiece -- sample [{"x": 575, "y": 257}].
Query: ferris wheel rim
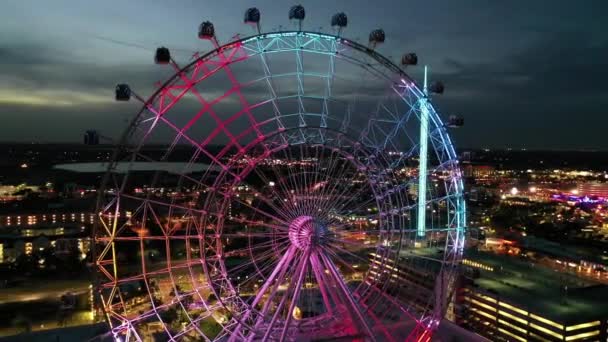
[
  {"x": 219, "y": 49},
  {"x": 406, "y": 80},
  {"x": 346, "y": 41}
]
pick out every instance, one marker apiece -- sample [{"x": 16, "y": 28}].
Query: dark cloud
[
  {"x": 551, "y": 95},
  {"x": 522, "y": 74}
]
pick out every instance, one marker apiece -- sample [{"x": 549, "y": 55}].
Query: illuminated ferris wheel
[{"x": 290, "y": 185}]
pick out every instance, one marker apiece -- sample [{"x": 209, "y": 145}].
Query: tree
[
  {"x": 169, "y": 315},
  {"x": 210, "y": 327},
  {"x": 22, "y": 323},
  {"x": 25, "y": 264}
]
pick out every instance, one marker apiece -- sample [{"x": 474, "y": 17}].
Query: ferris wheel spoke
[
  {"x": 310, "y": 174},
  {"x": 261, "y": 246},
  {"x": 345, "y": 251},
  {"x": 301, "y": 180},
  {"x": 316, "y": 183},
  {"x": 401, "y": 187},
  {"x": 345, "y": 242},
  {"x": 290, "y": 182},
  {"x": 327, "y": 293},
  {"x": 344, "y": 201},
  {"x": 287, "y": 270},
  {"x": 246, "y": 250},
  {"x": 264, "y": 262},
  {"x": 259, "y": 223},
  {"x": 301, "y": 272},
  {"x": 293, "y": 287},
  {"x": 284, "y": 192},
  {"x": 277, "y": 195},
  {"x": 328, "y": 191},
  {"x": 278, "y": 215},
  {"x": 345, "y": 205},
  {"x": 407, "y": 208},
  {"x": 272, "y": 281},
  {"x": 341, "y": 225},
  {"x": 335, "y": 201},
  {"x": 251, "y": 235},
  {"x": 348, "y": 299},
  {"x": 269, "y": 201},
  {"x": 257, "y": 210}
]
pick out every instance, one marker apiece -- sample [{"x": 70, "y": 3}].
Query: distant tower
[
  {"x": 435, "y": 88},
  {"x": 91, "y": 137},
  {"x": 423, "y": 159}
]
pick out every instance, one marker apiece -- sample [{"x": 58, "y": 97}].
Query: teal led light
[{"x": 423, "y": 156}]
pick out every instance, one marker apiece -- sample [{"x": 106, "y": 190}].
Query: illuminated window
[
  {"x": 28, "y": 248},
  {"x": 476, "y": 302},
  {"x": 583, "y": 335},
  {"x": 582, "y": 326},
  {"x": 546, "y": 331},
  {"x": 508, "y": 306},
  {"x": 484, "y": 314},
  {"x": 546, "y": 321},
  {"x": 514, "y": 327},
  {"x": 489, "y": 299},
  {"x": 512, "y": 335},
  {"x": 539, "y": 338},
  {"x": 518, "y": 319}
]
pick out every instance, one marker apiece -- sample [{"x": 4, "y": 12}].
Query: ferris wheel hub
[{"x": 305, "y": 232}]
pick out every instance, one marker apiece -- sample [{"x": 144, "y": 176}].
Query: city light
[{"x": 285, "y": 183}]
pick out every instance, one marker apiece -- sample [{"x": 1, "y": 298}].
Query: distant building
[
  {"x": 478, "y": 171},
  {"x": 32, "y": 238},
  {"x": 506, "y": 299},
  {"x": 91, "y": 137},
  {"x": 10, "y": 193},
  {"x": 593, "y": 189},
  {"x": 48, "y": 218}
]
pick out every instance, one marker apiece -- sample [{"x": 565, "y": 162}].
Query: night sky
[{"x": 523, "y": 74}]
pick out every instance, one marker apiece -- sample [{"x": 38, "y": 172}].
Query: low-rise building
[{"x": 508, "y": 299}]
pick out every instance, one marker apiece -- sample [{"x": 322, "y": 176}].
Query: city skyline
[
  {"x": 341, "y": 170},
  {"x": 532, "y": 71}
]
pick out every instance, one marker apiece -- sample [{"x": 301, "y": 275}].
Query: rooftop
[{"x": 559, "y": 296}]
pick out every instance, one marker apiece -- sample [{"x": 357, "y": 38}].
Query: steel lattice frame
[{"x": 303, "y": 223}]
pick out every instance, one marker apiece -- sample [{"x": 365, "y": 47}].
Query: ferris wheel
[{"x": 290, "y": 185}]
